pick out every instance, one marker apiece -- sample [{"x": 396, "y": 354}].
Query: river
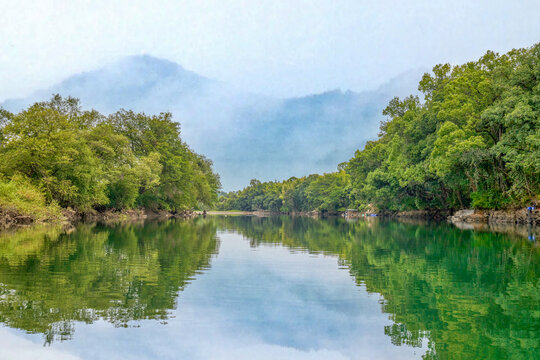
[{"x": 241, "y": 287}]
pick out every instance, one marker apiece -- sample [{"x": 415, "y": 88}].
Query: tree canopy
[
  {"x": 86, "y": 160},
  {"x": 328, "y": 192},
  {"x": 473, "y": 142}
]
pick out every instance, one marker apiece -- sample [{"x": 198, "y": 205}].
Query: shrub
[{"x": 19, "y": 199}]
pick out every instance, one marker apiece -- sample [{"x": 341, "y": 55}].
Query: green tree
[{"x": 84, "y": 160}]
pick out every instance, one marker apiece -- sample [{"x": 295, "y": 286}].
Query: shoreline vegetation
[
  {"x": 61, "y": 164},
  {"x": 469, "y": 152},
  {"x": 470, "y": 149}
]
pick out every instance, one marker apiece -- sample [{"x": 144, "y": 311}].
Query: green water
[{"x": 268, "y": 288}]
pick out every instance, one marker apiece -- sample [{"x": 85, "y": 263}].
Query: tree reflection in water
[
  {"x": 470, "y": 294},
  {"x": 50, "y": 278}
]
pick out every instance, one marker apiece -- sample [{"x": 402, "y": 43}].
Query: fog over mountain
[{"x": 246, "y": 135}]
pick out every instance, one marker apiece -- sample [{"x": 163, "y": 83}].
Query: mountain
[
  {"x": 246, "y": 135},
  {"x": 133, "y": 82}
]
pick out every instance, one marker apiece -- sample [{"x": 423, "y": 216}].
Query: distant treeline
[
  {"x": 54, "y": 155},
  {"x": 473, "y": 142}
]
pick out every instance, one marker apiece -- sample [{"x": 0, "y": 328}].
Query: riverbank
[
  {"x": 507, "y": 222},
  {"x": 464, "y": 219},
  {"x": 313, "y": 213},
  {"x": 515, "y": 216},
  {"x": 509, "y": 216},
  {"x": 231, "y": 212},
  {"x": 10, "y": 217}
]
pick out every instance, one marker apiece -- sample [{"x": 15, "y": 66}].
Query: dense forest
[
  {"x": 54, "y": 155},
  {"x": 473, "y": 142}
]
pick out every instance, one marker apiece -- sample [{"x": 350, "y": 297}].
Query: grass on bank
[{"x": 22, "y": 202}]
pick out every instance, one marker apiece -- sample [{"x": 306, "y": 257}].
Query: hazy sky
[{"x": 275, "y": 47}]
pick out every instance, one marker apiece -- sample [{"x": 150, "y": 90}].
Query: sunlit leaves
[
  {"x": 474, "y": 141},
  {"x": 84, "y": 160}
]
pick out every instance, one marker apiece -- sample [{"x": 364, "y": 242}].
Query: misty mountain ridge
[
  {"x": 246, "y": 135},
  {"x": 121, "y": 85}
]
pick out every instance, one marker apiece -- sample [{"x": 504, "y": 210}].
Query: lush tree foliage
[
  {"x": 473, "y": 142},
  {"x": 85, "y": 160},
  {"x": 326, "y": 193},
  {"x": 22, "y": 202}
]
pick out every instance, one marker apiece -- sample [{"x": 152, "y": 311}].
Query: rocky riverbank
[
  {"x": 424, "y": 214},
  {"x": 513, "y": 216},
  {"x": 412, "y": 214},
  {"x": 10, "y": 218},
  {"x": 516, "y": 216}
]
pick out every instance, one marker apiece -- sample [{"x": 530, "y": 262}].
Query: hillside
[{"x": 246, "y": 135}]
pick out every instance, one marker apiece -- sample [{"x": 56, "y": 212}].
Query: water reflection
[
  {"x": 447, "y": 292},
  {"x": 49, "y": 278},
  {"x": 471, "y": 294}
]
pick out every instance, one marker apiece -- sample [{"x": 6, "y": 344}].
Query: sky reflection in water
[{"x": 259, "y": 294}]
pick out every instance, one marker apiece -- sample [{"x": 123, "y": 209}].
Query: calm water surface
[{"x": 268, "y": 288}]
